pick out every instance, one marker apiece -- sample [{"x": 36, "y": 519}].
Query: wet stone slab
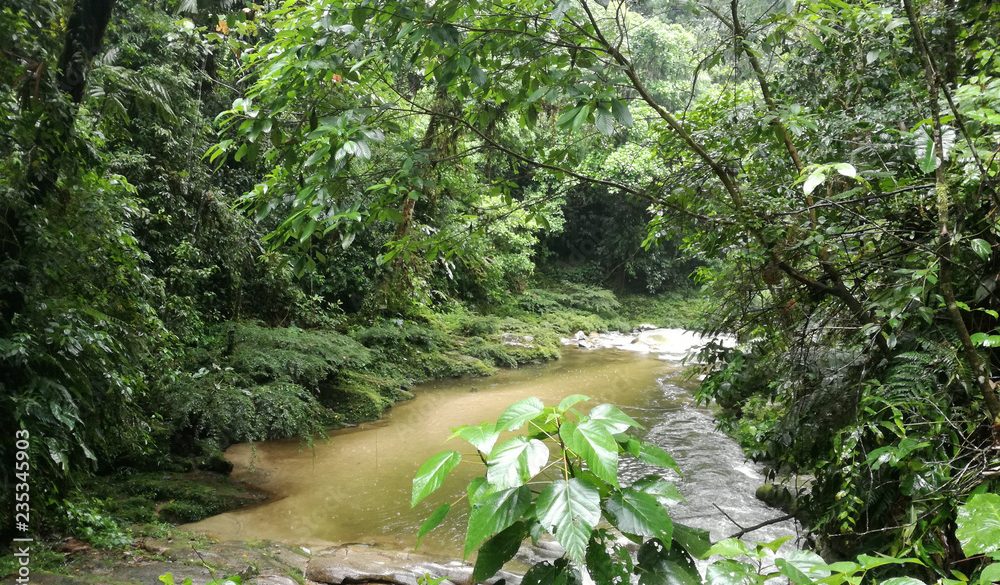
[{"x": 357, "y": 564}]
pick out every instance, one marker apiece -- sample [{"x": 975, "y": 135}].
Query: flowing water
[{"x": 355, "y": 486}]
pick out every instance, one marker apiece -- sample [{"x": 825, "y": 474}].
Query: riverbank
[
  {"x": 644, "y": 382},
  {"x": 249, "y": 382}
]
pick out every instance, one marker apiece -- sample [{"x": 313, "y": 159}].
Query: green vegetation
[
  {"x": 234, "y": 221},
  {"x": 558, "y": 476}
]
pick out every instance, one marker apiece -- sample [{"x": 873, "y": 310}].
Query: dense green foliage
[
  {"x": 228, "y": 221},
  {"x": 575, "y": 494},
  {"x": 148, "y": 322}
]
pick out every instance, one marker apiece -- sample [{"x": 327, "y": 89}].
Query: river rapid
[{"x": 354, "y": 487}]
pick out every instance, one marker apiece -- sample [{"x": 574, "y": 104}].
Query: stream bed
[{"x": 354, "y": 487}]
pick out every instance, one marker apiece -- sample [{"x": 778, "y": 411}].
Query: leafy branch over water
[{"x": 558, "y": 475}]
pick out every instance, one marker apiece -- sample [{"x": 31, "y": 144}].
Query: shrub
[{"x": 88, "y": 520}]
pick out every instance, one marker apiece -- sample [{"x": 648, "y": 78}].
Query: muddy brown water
[{"x": 355, "y": 486}]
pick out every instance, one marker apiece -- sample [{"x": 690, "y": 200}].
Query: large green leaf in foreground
[
  {"x": 570, "y": 509},
  {"x": 979, "y": 524}
]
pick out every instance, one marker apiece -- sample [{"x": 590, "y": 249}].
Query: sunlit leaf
[
  {"x": 570, "y": 509},
  {"x": 431, "y": 474}
]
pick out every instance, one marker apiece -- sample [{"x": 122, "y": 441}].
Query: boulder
[{"x": 358, "y": 563}]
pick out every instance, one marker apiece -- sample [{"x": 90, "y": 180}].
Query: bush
[
  {"x": 88, "y": 520},
  {"x": 306, "y": 357}
]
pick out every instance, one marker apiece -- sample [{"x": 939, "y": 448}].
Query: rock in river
[{"x": 358, "y": 563}]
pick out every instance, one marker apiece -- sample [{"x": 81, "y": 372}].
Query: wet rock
[
  {"x": 515, "y": 340},
  {"x": 584, "y": 344},
  {"x": 271, "y": 580},
  {"x": 783, "y": 491},
  {"x": 367, "y": 564}
]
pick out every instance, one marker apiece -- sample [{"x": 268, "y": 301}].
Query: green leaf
[
  {"x": 621, "y": 113},
  {"x": 650, "y": 453},
  {"x": 991, "y": 574},
  {"x": 604, "y": 121},
  {"x": 478, "y": 75},
  {"x": 592, "y": 441},
  {"x": 433, "y": 521},
  {"x": 545, "y": 573},
  {"x": 612, "y": 418},
  {"x": 602, "y": 567},
  {"x": 793, "y": 573},
  {"x": 582, "y": 116},
  {"x": 979, "y": 524},
  {"x": 569, "y": 510},
  {"x": 665, "y": 492},
  {"x": 730, "y": 572},
  {"x": 868, "y": 562},
  {"x": 981, "y": 248},
  {"x": 567, "y": 117},
  {"x": 431, "y": 474},
  {"x": 493, "y": 513},
  {"x": 498, "y": 550},
  {"x": 639, "y": 514},
  {"x": 660, "y": 565},
  {"x": 570, "y": 401},
  {"x": 802, "y": 567},
  {"x": 695, "y": 541},
  {"x": 514, "y": 462},
  {"x": 815, "y": 179},
  {"x": 482, "y": 436},
  {"x": 519, "y": 413},
  {"x": 926, "y": 161},
  {"x": 846, "y": 169},
  {"x": 729, "y": 548}
]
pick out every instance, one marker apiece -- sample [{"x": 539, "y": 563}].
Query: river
[{"x": 354, "y": 487}]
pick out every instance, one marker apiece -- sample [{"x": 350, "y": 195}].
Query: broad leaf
[
  {"x": 604, "y": 122},
  {"x": 482, "y": 436},
  {"x": 981, "y": 247},
  {"x": 604, "y": 568},
  {"x": 493, "y": 513},
  {"x": 621, "y": 113},
  {"x": 592, "y": 441},
  {"x": 650, "y": 453},
  {"x": 498, "y": 550},
  {"x": 730, "y": 572},
  {"x": 665, "y": 492},
  {"x": 639, "y": 514},
  {"x": 846, "y": 169},
  {"x": 570, "y": 509},
  {"x": 729, "y": 548},
  {"x": 660, "y": 565},
  {"x": 431, "y": 474},
  {"x": 612, "y": 418},
  {"x": 570, "y": 401},
  {"x": 815, "y": 179},
  {"x": 519, "y": 413},
  {"x": 803, "y": 567},
  {"x": 695, "y": 541},
  {"x": 545, "y": 573},
  {"x": 514, "y": 462},
  {"x": 902, "y": 581},
  {"x": 991, "y": 574},
  {"x": 925, "y": 155},
  {"x": 979, "y": 524},
  {"x": 433, "y": 521}
]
